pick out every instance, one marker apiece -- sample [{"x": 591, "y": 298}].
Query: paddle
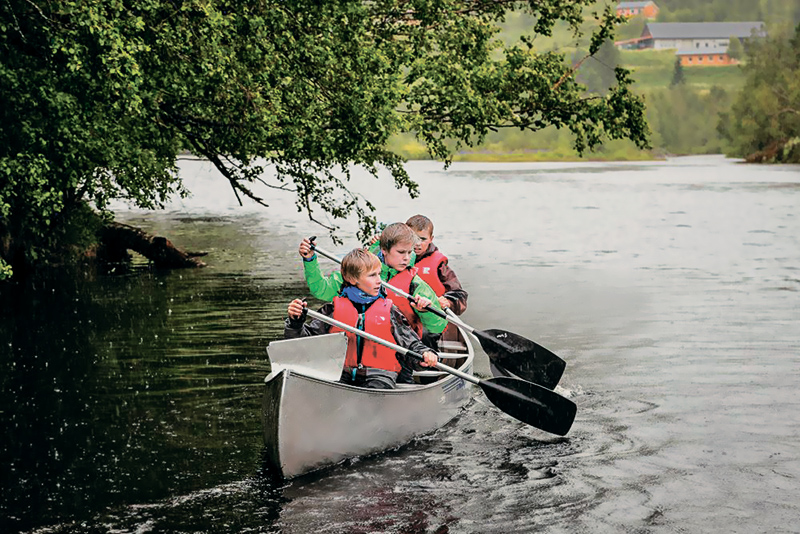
[
  {"x": 511, "y": 353},
  {"x": 530, "y": 403}
]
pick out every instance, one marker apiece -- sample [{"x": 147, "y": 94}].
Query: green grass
[
  {"x": 653, "y": 69},
  {"x": 730, "y": 77},
  {"x": 651, "y": 59}
]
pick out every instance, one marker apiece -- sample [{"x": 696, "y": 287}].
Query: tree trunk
[{"x": 116, "y": 239}]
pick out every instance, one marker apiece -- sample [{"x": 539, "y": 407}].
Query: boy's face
[
  {"x": 369, "y": 281},
  {"x": 399, "y": 257},
  {"x": 425, "y": 238}
]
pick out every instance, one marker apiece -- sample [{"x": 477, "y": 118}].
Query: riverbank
[{"x": 502, "y": 151}]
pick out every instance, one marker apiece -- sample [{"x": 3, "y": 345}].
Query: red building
[
  {"x": 706, "y": 57},
  {"x": 647, "y": 9}
]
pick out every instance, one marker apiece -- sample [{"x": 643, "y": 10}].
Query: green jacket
[{"x": 326, "y": 288}]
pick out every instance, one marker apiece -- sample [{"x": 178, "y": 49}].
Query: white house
[{"x": 696, "y": 35}]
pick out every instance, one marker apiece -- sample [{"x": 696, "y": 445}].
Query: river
[{"x": 130, "y": 403}]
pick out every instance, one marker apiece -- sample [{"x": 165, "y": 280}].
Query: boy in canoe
[
  {"x": 434, "y": 269},
  {"x": 362, "y": 303},
  {"x": 396, "y": 252}
]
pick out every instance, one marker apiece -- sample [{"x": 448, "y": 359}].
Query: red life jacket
[
  {"x": 429, "y": 271},
  {"x": 402, "y": 281},
  {"x": 378, "y": 322}
]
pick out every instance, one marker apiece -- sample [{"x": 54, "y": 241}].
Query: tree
[
  {"x": 632, "y": 28},
  {"x": 101, "y": 97},
  {"x": 678, "y": 77},
  {"x": 598, "y": 72},
  {"x": 681, "y": 118},
  {"x": 735, "y": 48},
  {"x": 764, "y": 121}
]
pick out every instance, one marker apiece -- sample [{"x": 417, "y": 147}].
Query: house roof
[
  {"x": 701, "y": 30},
  {"x": 623, "y": 5},
  {"x": 718, "y": 50}
]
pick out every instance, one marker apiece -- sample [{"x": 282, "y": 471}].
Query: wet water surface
[{"x": 130, "y": 403}]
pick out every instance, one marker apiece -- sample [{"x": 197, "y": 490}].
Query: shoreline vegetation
[
  {"x": 538, "y": 154},
  {"x": 682, "y": 118}
]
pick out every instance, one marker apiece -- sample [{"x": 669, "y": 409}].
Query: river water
[{"x": 130, "y": 403}]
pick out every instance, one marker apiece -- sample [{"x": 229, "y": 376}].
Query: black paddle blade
[
  {"x": 517, "y": 356},
  {"x": 530, "y": 403}
]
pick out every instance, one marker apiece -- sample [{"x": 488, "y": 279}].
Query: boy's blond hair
[
  {"x": 420, "y": 223},
  {"x": 397, "y": 233},
  {"x": 357, "y": 262}
]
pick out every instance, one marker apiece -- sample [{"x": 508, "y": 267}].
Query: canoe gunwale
[{"x": 311, "y": 422}]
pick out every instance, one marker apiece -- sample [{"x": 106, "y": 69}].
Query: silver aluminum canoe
[{"x": 312, "y": 421}]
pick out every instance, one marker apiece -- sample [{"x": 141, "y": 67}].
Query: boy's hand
[
  {"x": 372, "y": 240},
  {"x": 305, "y": 249},
  {"x": 420, "y": 303},
  {"x": 444, "y": 302},
  {"x": 430, "y": 359},
  {"x": 296, "y": 309}
]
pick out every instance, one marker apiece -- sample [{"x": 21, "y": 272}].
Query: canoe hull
[{"x": 311, "y": 422}]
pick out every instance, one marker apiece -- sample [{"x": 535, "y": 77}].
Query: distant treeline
[{"x": 773, "y": 12}]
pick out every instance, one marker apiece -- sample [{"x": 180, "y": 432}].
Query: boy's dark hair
[
  {"x": 356, "y": 262},
  {"x": 420, "y": 223},
  {"x": 397, "y": 233}
]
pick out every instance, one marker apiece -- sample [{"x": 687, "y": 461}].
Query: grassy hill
[{"x": 652, "y": 69}]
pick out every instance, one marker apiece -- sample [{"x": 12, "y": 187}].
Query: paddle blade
[
  {"x": 518, "y": 356},
  {"x": 530, "y": 403}
]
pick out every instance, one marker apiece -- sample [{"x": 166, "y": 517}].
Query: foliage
[
  {"x": 5, "y": 270},
  {"x": 766, "y": 113},
  {"x": 682, "y": 118},
  {"x": 682, "y": 121},
  {"x": 597, "y": 71},
  {"x": 735, "y": 48},
  {"x": 632, "y": 28},
  {"x": 677, "y": 74},
  {"x": 100, "y": 97}
]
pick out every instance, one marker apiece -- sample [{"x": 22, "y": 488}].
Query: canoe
[{"x": 312, "y": 421}]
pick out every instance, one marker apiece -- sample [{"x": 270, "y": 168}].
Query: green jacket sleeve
[
  {"x": 322, "y": 287},
  {"x": 433, "y": 323}
]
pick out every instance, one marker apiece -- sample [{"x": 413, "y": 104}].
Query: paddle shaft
[
  {"x": 528, "y": 402},
  {"x": 508, "y": 352},
  {"x": 393, "y": 346}
]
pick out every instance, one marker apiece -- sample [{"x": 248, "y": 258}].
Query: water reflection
[{"x": 116, "y": 391}]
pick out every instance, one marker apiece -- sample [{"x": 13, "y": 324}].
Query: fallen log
[{"x": 116, "y": 239}]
